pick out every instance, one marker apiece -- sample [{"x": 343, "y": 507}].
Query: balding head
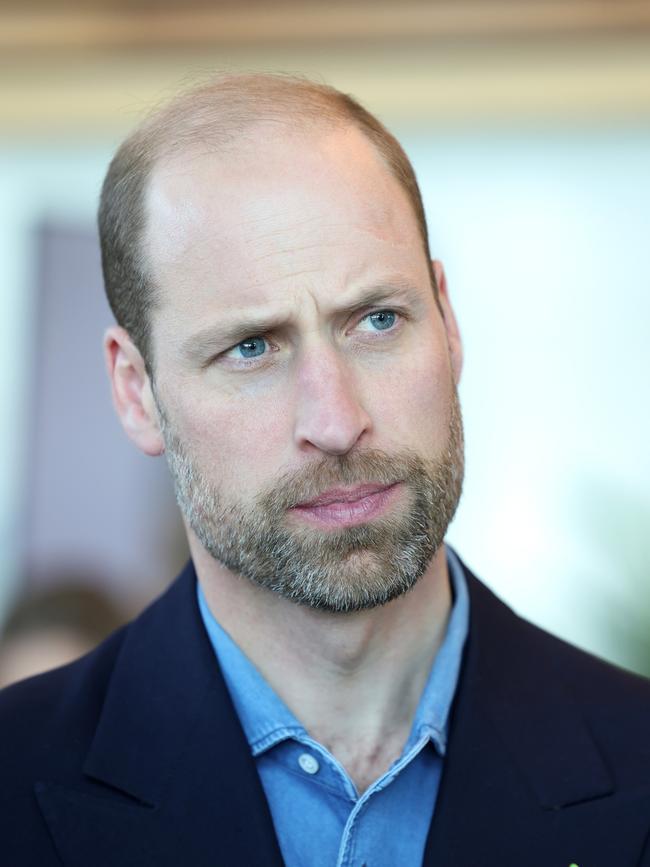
[{"x": 224, "y": 115}]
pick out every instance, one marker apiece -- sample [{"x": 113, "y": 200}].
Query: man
[{"x": 326, "y": 683}]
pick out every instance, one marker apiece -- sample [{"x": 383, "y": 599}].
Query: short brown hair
[{"x": 219, "y": 113}]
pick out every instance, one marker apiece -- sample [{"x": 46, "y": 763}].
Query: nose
[{"x": 329, "y": 414}]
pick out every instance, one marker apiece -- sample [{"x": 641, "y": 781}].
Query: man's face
[{"x": 302, "y": 368}]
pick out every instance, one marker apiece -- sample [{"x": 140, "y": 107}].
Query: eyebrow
[{"x": 230, "y": 333}]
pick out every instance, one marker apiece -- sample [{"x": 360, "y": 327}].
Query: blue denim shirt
[{"x": 319, "y": 817}]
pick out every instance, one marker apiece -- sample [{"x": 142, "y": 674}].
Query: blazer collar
[
  {"x": 169, "y": 770},
  {"x": 164, "y": 682},
  {"x": 519, "y": 749}
]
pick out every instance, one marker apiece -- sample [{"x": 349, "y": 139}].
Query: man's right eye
[{"x": 252, "y": 347}]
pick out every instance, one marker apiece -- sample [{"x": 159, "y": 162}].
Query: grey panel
[{"x": 95, "y": 506}]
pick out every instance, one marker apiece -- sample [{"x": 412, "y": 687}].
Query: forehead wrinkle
[
  {"x": 317, "y": 224},
  {"x": 271, "y": 245},
  {"x": 251, "y": 216},
  {"x": 311, "y": 226},
  {"x": 296, "y": 251}
]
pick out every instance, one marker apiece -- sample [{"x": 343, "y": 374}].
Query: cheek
[
  {"x": 239, "y": 443},
  {"x": 413, "y": 406}
]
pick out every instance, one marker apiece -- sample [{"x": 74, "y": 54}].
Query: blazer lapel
[
  {"x": 524, "y": 781},
  {"x": 169, "y": 776}
]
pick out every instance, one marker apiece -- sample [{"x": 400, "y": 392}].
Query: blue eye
[
  {"x": 252, "y": 347},
  {"x": 382, "y": 320}
]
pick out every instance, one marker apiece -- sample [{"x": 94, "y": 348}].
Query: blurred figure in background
[{"x": 52, "y": 626}]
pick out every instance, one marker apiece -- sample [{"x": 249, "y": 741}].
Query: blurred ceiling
[
  {"x": 114, "y": 24},
  {"x": 91, "y": 66}
]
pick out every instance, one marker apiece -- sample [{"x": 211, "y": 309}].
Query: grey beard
[{"x": 345, "y": 570}]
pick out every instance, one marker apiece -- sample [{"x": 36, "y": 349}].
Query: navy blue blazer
[{"x": 133, "y": 756}]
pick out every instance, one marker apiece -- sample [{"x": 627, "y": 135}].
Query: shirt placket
[{"x": 348, "y": 856}]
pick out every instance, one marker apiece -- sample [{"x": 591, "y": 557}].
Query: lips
[
  {"x": 343, "y": 495},
  {"x": 343, "y": 507}
]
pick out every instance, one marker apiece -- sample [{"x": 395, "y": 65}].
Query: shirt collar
[
  {"x": 432, "y": 714},
  {"x": 266, "y": 719}
]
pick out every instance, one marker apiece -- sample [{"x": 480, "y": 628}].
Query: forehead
[{"x": 280, "y": 214}]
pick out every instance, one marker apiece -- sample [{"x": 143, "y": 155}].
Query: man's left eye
[
  {"x": 252, "y": 347},
  {"x": 380, "y": 320}
]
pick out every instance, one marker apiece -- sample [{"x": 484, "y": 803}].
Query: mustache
[{"x": 371, "y": 466}]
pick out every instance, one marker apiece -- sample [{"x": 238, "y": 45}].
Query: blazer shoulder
[
  {"x": 613, "y": 703},
  {"x": 603, "y": 688},
  {"x": 539, "y": 648},
  {"x": 46, "y": 718},
  {"x": 44, "y": 714}
]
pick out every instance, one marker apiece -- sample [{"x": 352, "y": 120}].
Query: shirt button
[{"x": 308, "y": 763}]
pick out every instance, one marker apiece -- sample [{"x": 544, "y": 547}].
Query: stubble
[{"x": 344, "y": 570}]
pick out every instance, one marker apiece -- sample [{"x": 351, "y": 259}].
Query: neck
[{"x": 353, "y": 680}]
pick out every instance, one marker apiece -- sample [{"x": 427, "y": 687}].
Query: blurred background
[{"x": 529, "y": 128}]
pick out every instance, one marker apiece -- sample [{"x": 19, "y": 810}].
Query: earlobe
[
  {"x": 132, "y": 393},
  {"x": 451, "y": 325}
]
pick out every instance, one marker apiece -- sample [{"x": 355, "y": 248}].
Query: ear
[
  {"x": 451, "y": 326},
  {"x": 132, "y": 393}
]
